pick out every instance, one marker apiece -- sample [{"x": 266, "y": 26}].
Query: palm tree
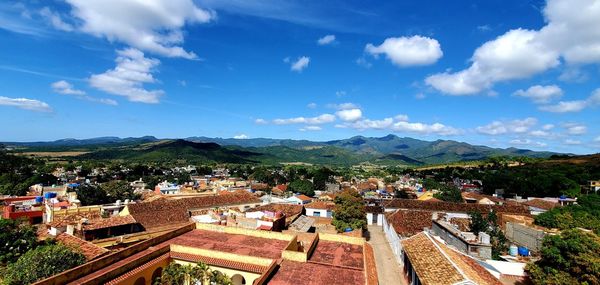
[{"x": 177, "y": 274}]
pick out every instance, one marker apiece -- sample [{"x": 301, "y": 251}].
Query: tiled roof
[
  {"x": 409, "y": 222},
  {"x": 320, "y": 205},
  {"x": 138, "y": 269},
  {"x": 477, "y": 196},
  {"x": 220, "y": 262},
  {"x": 437, "y": 264},
  {"x": 374, "y": 209},
  {"x": 306, "y": 273},
  {"x": 166, "y": 211},
  {"x": 88, "y": 249},
  {"x": 109, "y": 222},
  {"x": 290, "y": 211},
  {"x": 303, "y": 197},
  {"x": 370, "y": 266},
  {"x": 454, "y": 207},
  {"x": 541, "y": 204},
  {"x": 64, "y": 220}
]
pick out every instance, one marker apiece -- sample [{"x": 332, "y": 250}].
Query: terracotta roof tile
[
  {"x": 409, "y": 222},
  {"x": 303, "y": 197},
  {"x": 166, "y": 211},
  {"x": 370, "y": 266},
  {"x": 64, "y": 220},
  {"x": 542, "y": 204},
  {"x": 113, "y": 221},
  {"x": 320, "y": 205},
  {"x": 220, "y": 262},
  {"x": 437, "y": 264},
  {"x": 454, "y": 207},
  {"x": 138, "y": 269},
  {"x": 338, "y": 254},
  {"x": 89, "y": 250}
]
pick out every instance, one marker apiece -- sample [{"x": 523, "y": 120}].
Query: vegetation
[
  {"x": 41, "y": 262},
  {"x": 18, "y": 173},
  {"x": 489, "y": 225},
  {"x": 449, "y": 194},
  {"x": 569, "y": 258},
  {"x": 16, "y": 239},
  {"x": 586, "y": 214},
  {"x": 349, "y": 211},
  {"x": 176, "y": 274},
  {"x": 302, "y": 186},
  {"x": 108, "y": 192}
]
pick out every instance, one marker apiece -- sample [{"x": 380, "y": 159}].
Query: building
[
  {"x": 403, "y": 224},
  {"x": 138, "y": 185},
  {"x": 374, "y": 215},
  {"x": 166, "y": 188},
  {"x": 300, "y": 199},
  {"x": 428, "y": 261},
  {"x": 319, "y": 209},
  {"x": 246, "y": 256},
  {"x": 24, "y": 207},
  {"x": 595, "y": 185},
  {"x": 538, "y": 206},
  {"x": 478, "y": 246}
]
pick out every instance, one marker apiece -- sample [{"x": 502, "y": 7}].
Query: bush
[
  {"x": 349, "y": 211},
  {"x": 42, "y": 262}
]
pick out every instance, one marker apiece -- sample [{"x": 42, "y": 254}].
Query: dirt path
[{"x": 388, "y": 269}]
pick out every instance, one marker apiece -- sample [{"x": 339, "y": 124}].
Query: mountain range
[{"x": 390, "y": 149}]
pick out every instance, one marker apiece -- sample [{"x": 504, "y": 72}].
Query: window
[{"x": 316, "y": 214}]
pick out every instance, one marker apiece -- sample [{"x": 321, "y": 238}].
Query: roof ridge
[{"x": 464, "y": 275}]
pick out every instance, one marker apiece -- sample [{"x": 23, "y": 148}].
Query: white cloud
[
  {"x": 597, "y": 139},
  {"x": 540, "y": 133},
  {"x": 575, "y": 129},
  {"x": 401, "y": 117},
  {"x": 575, "y": 105},
  {"x": 300, "y": 64},
  {"x": 421, "y": 128},
  {"x": 408, "y": 51},
  {"x": 25, "y": 104},
  {"x": 420, "y": 96},
  {"x": 547, "y": 127},
  {"x": 527, "y": 142},
  {"x": 261, "y": 121},
  {"x": 400, "y": 124},
  {"x": 349, "y": 115},
  {"x": 326, "y": 40},
  {"x": 241, "y": 137},
  {"x": 572, "y": 32},
  {"x": 565, "y": 106},
  {"x": 311, "y": 105},
  {"x": 367, "y": 124},
  {"x": 343, "y": 106},
  {"x": 133, "y": 70},
  {"x": 501, "y": 59},
  {"x": 484, "y": 28},
  {"x": 311, "y": 128},
  {"x": 572, "y": 142},
  {"x": 55, "y": 20},
  {"x": 540, "y": 94},
  {"x": 153, "y": 25},
  {"x": 361, "y": 61},
  {"x": 340, "y": 94},
  {"x": 66, "y": 88},
  {"x": 507, "y": 127},
  {"x": 322, "y": 119}
]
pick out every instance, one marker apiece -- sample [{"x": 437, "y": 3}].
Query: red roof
[
  {"x": 220, "y": 262},
  {"x": 88, "y": 249},
  {"x": 320, "y": 205},
  {"x": 303, "y": 197},
  {"x": 308, "y": 273}
]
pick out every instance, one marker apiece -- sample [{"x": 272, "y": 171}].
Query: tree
[
  {"x": 16, "y": 238},
  {"x": 91, "y": 195},
  {"x": 489, "y": 225},
  {"x": 449, "y": 194},
  {"x": 349, "y": 211},
  {"x": 176, "y": 274},
  {"x": 44, "y": 261},
  {"x": 119, "y": 190},
  {"x": 321, "y": 177},
  {"x": 569, "y": 258},
  {"x": 302, "y": 186},
  {"x": 586, "y": 214}
]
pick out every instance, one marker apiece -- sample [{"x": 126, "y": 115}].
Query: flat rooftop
[
  {"x": 338, "y": 254},
  {"x": 232, "y": 243}
]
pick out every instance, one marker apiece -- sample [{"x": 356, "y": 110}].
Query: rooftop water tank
[
  {"x": 523, "y": 251},
  {"x": 513, "y": 250}
]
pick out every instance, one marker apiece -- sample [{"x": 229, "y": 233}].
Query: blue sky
[{"x": 499, "y": 73}]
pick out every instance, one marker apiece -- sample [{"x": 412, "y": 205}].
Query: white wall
[
  {"x": 321, "y": 212},
  {"x": 394, "y": 241}
]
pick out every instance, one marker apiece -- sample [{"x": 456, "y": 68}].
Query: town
[{"x": 294, "y": 224}]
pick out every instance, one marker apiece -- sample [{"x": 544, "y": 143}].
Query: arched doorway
[
  {"x": 238, "y": 280},
  {"x": 140, "y": 281},
  {"x": 156, "y": 274}
]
